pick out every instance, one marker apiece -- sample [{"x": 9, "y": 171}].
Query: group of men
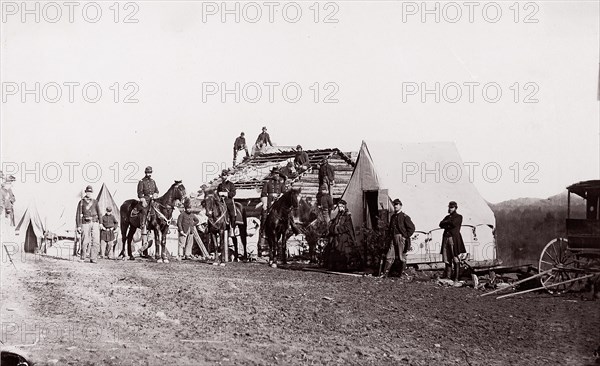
[
  {"x": 97, "y": 230},
  {"x": 239, "y": 144},
  {"x": 401, "y": 228}
]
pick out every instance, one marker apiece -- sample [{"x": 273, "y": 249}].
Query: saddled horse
[
  {"x": 218, "y": 223},
  {"x": 159, "y": 216},
  {"x": 279, "y": 220}
]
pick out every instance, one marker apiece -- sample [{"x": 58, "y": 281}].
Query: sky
[{"x": 365, "y": 70}]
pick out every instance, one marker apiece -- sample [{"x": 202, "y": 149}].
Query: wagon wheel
[{"x": 555, "y": 256}]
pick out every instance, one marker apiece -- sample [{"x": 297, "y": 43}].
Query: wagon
[{"x": 565, "y": 262}]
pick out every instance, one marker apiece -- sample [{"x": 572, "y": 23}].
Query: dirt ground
[{"x": 61, "y": 312}]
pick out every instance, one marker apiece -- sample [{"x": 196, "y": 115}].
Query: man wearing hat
[
  {"x": 271, "y": 190},
  {"x": 186, "y": 222},
  {"x": 341, "y": 253},
  {"x": 288, "y": 171},
  {"x": 301, "y": 160},
  {"x": 452, "y": 242},
  {"x": 326, "y": 175},
  {"x": 325, "y": 203},
  {"x": 226, "y": 189},
  {"x": 108, "y": 225},
  {"x": 263, "y": 139},
  {"x": 238, "y": 145},
  {"x": 399, "y": 232},
  {"x": 147, "y": 191},
  {"x": 8, "y": 211},
  {"x": 87, "y": 218}
]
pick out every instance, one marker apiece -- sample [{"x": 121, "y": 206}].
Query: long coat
[
  {"x": 342, "y": 253},
  {"x": 451, "y": 225}
]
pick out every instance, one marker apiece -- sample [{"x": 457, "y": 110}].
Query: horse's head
[
  {"x": 294, "y": 196},
  {"x": 176, "y": 194}
]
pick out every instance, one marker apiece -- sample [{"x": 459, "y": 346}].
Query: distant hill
[{"x": 525, "y": 225}]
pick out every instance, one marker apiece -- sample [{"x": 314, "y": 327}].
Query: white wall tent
[{"x": 425, "y": 177}]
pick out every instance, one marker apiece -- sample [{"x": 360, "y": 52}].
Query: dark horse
[
  {"x": 218, "y": 224},
  {"x": 279, "y": 220},
  {"x": 158, "y": 216}
]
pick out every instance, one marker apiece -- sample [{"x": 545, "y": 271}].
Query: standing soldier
[
  {"x": 301, "y": 160},
  {"x": 226, "y": 189},
  {"x": 325, "y": 203},
  {"x": 326, "y": 175},
  {"x": 452, "y": 242},
  {"x": 263, "y": 139},
  {"x": 88, "y": 215},
  {"x": 108, "y": 225},
  {"x": 239, "y": 145},
  {"x": 147, "y": 191},
  {"x": 10, "y": 211},
  {"x": 186, "y": 222},
  {"x": 399, "y": 232}
]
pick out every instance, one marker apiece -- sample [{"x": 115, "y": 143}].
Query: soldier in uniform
[
  {"x": 9, "y": 209},
  {"x": 452, "y": 242},
  {"x": 239, "y": 145},
  {"x": 87, "y": 218},
  {"x": 301, "y": 160},
  {"x": 108, "y": 225},
  {"x": 326, "y": 175},
  {"x": 226, "y": 189},
  {"x": 147, "y": 191},
  {"x": 399, "y": 232},
  {"x": 325, "y": 203},
  {"x": 271, "y": 190},
  {"x": 263, "y": 139},
  {"x": 288, "y": 170}
]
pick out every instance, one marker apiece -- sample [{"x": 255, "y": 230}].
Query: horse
[
  {"x": 279, "y": 220},
  {"x": 159, "y": 216},
  {"x": 218, "y": 223}
]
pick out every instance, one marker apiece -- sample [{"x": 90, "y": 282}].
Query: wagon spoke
[
  {"x": 551, "y": 257},
  {"x": 555, "y": 252}
]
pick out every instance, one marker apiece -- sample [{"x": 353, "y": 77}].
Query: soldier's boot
[
  {"x": 447, "y": 271},
  {"x": 386, "y": 269},
  {"x": 456, "y": 272},
  {"x": 402, "y": 268}
]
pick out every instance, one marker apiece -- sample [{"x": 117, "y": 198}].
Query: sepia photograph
[{"x": 304, "y": 182}]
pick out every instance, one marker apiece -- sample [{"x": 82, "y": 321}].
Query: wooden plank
[{"x": 545, "y": 287}]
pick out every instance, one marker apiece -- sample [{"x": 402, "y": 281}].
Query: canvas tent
[
  {"x": 31, "y": 227},
  {"x": 425, "y": 177}
]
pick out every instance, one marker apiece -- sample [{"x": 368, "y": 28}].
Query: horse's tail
[{"x": 125, "y": 216}]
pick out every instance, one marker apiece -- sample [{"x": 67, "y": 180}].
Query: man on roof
[
  {"x": 147, "y": 191},
  {"x": 452, "y": 243},
  {"x": 239, "y": 145},
  {"x": 288, "y": 170},
  {"x": 301, "y": 160},
  {"x": 263, "y": 139},
  {"x": 326, "y": 175},
  {"x": 87, "y": 220}
]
